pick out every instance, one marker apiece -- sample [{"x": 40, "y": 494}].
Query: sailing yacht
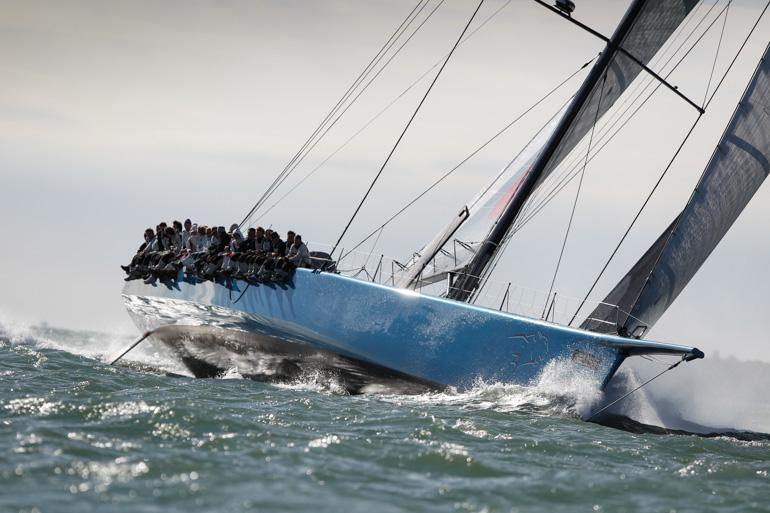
[{"x": 424, "y": 321}]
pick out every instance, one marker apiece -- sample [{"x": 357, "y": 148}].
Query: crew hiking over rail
[{"x": 211, "y": 253}]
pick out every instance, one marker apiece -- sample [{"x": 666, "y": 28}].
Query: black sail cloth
[
  {"x": 737, "y": 168},
  {"x": 643, "y": 32},
  {"x": 656, "y": 22}
]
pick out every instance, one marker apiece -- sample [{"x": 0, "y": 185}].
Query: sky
[{"x": 117, "y": 115}]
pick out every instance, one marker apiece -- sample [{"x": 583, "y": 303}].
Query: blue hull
[{"x": 432, "y": 339}]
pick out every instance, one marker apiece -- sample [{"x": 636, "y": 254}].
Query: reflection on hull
[
  {"x": 428, "y": 339},
  {"x": 209, "y": 352}
]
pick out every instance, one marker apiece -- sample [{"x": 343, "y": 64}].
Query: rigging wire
[
  {"x": 356, "y": 97},
  {"x": 623, "y": 238},
  {"x": 567, "y": 178},
  {"x": 716, "y": 55},
  {"x": 371, "y": 251},
  {"x": 371, "y": 120},
  {"x": 636, "y": 217},
  {"x": 406, "y": 128},
  {"x": 380, "y": 113},
  {"x": 606, "y": 132},
  {"x": 677, "y": 221},
  {"x": 621, "y": 110},
  {"x": 474, "y": 153},
  {"x": 373, "y": 62},
  {"x": 510, "y": 163},
  {"x": 577, "y": 194},
  {"x": 735, "y": 58},
  {"x": 315, "y": 137},
  {"x": 670, "y": 367}
]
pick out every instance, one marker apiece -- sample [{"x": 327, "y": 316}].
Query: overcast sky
[{"x": 116, "y": 115}]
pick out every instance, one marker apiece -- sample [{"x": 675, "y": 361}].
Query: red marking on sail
[{"x": 507, "y": 195}]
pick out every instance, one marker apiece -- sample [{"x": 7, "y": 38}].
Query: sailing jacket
[{"x": 299, "y": 255}]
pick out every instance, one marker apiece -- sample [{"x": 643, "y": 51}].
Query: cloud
[{"x": 116, "y": 115}]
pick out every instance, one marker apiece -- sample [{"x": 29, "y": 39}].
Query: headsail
[
  {"x": 646, "y": 26},
  {"x": 739, "y": 165},
  {"x": 612, "y": 313}
]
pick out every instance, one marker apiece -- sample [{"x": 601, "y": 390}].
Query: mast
[{"x": 468, "y": 281}]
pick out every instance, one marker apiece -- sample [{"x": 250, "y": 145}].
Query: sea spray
[
  {"x": 635, "y": 402},
  {"x": 91, "y": 344},
  {"x": 704, "y": 396},
  {"x": 76, "y": 433},
  {"x": 712, "y": 394},
  {"x": 562, "y": 388}
]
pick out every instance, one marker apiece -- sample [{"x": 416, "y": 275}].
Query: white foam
[
  {"x": 315, "y": 381},
  {"x": 723, "y": 393},
  {"x": 231, "y": 373},
  {"x": 90, "y": 344},
  {"x": 562, "y": 388}
]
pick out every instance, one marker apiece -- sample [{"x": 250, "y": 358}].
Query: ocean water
[{"x": 76, "y": 433}]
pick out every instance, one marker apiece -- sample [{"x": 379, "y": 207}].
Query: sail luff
[
  {"x": 611, "y": 315},
  {"x": 738, "y": 166},
  {"x": 467, "y": 283}
]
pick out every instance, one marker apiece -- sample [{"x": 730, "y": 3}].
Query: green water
[{"x": 78, "y": 434}]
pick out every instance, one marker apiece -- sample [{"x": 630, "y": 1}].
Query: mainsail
[
  {"x": 646, "y": 26},
  {"x": 738, "y": 166}
]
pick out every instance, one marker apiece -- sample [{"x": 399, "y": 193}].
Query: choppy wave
[
  {"x": 562, "y": 389},
  {"x": 91, "y": 344},
  {"x": 78, "y": 433}
]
